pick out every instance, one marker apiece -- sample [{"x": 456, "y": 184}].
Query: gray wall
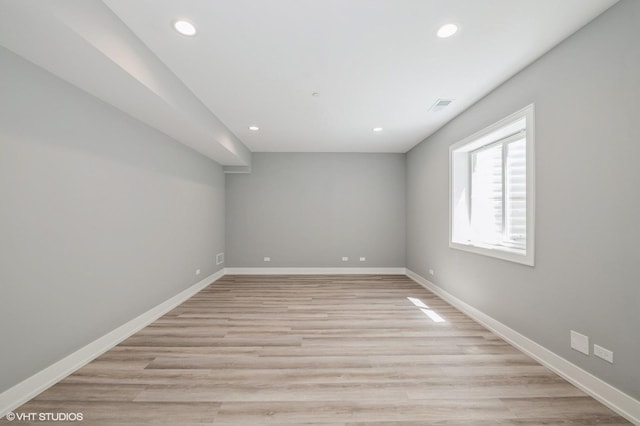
[
  {"x": 101, "y": 218},
  {"x": 309, "y": 210},
  {"x": 587, "y": 98}
]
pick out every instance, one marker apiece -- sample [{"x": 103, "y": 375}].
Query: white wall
[
  {"x": 101, "y": 218},
  {"x": 309, "y": 210},
  {"x": 587, "y": 98}
]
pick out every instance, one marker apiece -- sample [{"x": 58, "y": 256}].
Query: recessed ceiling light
[
  {"x": 447, "y": 30},
  {"x": 377, "y": 129},
  {"x": 315, "y": 94},
  {"x": 184, "y": 27},
  {"x": 254, "y": 128}
]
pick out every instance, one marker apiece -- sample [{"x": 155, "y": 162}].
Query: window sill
[{"x": 505, "y": 253}]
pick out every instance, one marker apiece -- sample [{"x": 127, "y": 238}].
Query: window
[{"x": 492, "y": 190}]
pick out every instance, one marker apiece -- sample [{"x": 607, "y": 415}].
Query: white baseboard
[
  {"x": 39, "y": 382},
  {"x": 314, "y": 271},
  {"x": 618, "y": 401}
]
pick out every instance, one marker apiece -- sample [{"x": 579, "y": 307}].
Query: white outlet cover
[
  {"x": 362, "y": 259},
  {"x": 219, "y": 258},
  {"x": 267, "y": 259},
  {"x": 603, "y": 353},
  {"x": 197, "y": 271},
  {"x": 430, "y": 271},
  {"x": 580, "y": 342}
]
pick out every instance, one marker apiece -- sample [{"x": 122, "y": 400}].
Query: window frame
[{"x": 460, "y": 170}]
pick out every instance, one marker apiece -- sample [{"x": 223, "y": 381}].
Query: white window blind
[
  {"x": 516, "y": 194},
  {"x": 499, "y": 194},
  {"x": 487, "y": 195}
]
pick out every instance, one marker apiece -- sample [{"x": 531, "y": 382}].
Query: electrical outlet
[
  {"x": 362, "y": 259},
  {"x": 219, "y": 258},
  {"x": 431, "y": 272},
  {"x": 603, "y": 353},
  {"x": 197, "y": 271},
  {"x": 267, "y": 259},
  {"x": 580, "y": 342},
  {"x": 345, "y": 259}
]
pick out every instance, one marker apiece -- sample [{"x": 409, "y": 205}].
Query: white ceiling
[{"x": 374, "y": 63}]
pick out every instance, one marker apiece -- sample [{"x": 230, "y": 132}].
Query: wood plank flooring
[{"x": 318, "y": 350}]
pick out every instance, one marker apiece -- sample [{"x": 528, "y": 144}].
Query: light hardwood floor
[{"x": 322, "y": 350}]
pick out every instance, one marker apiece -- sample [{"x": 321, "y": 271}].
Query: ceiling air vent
[{"x": 440, "y": 105}]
